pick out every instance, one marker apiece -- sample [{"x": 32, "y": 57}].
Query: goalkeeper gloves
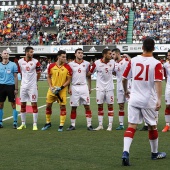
[{"x": 58, "y": 89}]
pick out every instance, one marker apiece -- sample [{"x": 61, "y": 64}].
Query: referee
[{"x": 8, "y": 86}]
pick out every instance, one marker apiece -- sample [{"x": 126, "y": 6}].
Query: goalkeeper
[{"x": 59, "y": 77}]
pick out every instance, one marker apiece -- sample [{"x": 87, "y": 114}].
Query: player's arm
[
  {"x": 89, "y": 83},
  {"x": 16, "y": 83},
  {"x": 165, "y": 75},
  {"x": 49, "y": 82},
  {"x": 158, "y": 84},
  {"x": 126, "y": 74},
  {"x": 127, "y": 57},
  {"x": 38, "y": 70},
  {"x": 92, "y": 69}
]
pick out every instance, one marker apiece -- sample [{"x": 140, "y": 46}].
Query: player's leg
[
  {"x": 11, "y": 98},
  {"x": 167, "y": 118},
  {"x": 74, "y": 102},
  {"x": 2, "y": 100},
  {"x": 1, "y": 114},
  {"x": 149, "y": 116},
  {"x": 85, "y": 100},
  {"x": 35, "y": 115},
  {"x": 15, "y": 115},
  {"x": 110, "y": 116},
  {"x": 50, "y": 99},
  {"x": 100, "y": 100},
  {"x": 121, "y": 116},
  {"x": 167, "y": 109},
  {"x": 134, "y": 117},
  {"x": 121, "y": 101},
  {"x": 62, "y": 117},
  {"x": 62, "y": 109},
  {"x": 73, "y": 116},
  {"x": 33, "y": 98},
  {"x": 23, "y": 116},
  {"x": 24, "y": 97},
  {"x": 48, "y": 114},
  {"x": 88, "y": 117},
  {"x": 109, "y": 96}
]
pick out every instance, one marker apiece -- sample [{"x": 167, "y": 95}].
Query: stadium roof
[{"x": 58, "y": 2}]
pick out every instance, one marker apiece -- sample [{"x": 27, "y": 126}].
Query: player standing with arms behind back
[
  {"x": 167, "y": 93},
  {"x": 104, "y": 86},
  {"x": 8, "y": 86},
  {"x": 79, "y": 90},
  {"x": 30, "y": 70},
  {"x": 145, "y": 98},
  {"x": 120, "y": 66}
]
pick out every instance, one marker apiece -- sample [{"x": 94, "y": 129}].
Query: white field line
[{"x": 38, "y": 108}]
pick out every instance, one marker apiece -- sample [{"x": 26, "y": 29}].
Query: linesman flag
[{"x": 28, "y": 106}]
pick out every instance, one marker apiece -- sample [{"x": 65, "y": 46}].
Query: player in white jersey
[
  {"x": 79, "y": 90},
  {"x": 104, "y": 86},
  {"x": 167, "y": 93},
  {"x": 120, "y": 66},
  {"x": 30, "y": 70},
  {"x": 145, "y": 98}
]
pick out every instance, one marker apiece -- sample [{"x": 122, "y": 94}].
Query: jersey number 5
[{"x": 142, "y": 69}]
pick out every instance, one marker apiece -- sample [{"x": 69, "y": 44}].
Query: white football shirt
[
  {"x": 104, "y": 81},
  {"x": 119, "y": 69},
  {"x": 144, "y": 72},
  {"x": 167, "y": 71},
  {"x": 80, "y": 71},
  {"x": 29, "y": 70}
]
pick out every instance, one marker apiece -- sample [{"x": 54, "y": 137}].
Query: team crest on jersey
[
  {"x": 62, "y": 69},
  {"x": 110, "y": 65},
  {"x": 31, "y": 64},
  {"x": 83, "y": 65}
]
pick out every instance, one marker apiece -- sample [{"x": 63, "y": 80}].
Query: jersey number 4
[{"x": 143, "y": 68}]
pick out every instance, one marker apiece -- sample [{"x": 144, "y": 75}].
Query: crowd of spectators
[
  {"x": 23, "y": 24},
  {"x": 92, "y": 24},
  {"x": 153, "y": 20}
]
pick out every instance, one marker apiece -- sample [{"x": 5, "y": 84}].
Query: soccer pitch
[{"x": 76, "y": 150}]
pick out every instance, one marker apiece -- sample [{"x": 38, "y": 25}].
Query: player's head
[
  {"x": 107, "y": 54},
  {"x": 29, "y": 51},
  {"x": 61, "y": 56},
  {"x": 5, "y": 55},
  {"x": 148, "y": 45},
  {"x": 116, "y": 54},
  {"x": 168, "y": 55},
  {"x": 79, "y": 53}
]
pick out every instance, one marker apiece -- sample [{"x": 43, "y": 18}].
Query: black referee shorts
[{"x": 7, "y": 91}]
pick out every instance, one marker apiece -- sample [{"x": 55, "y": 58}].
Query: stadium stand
[{"x": 85, "y": 23}]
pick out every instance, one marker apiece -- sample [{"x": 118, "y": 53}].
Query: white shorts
[
  {"x": 120, "y": 96},
  {"x": 167, "y": 94},
  {"x": 80, "y": 95},
  {"x": 137, "y": 115},
  {"x": 29, "y": 95},
  {"x": 105, "y": 97}
]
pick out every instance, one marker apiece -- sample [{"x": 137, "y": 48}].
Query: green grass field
[{"x": 79, "y": 149}]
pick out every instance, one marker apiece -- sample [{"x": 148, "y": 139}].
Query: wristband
[{"x": 62, "y": 87}]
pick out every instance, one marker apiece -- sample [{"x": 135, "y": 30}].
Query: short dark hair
[
  {"x": 27, "y": 49},
  {"x": 105, "y": 51},
  {"x": 61, "y": 52},
  {"x": 148, "y": 45},
  {"x": 169, "y": 51},
  {"x": 116, "y": 50},
  {"x": 78, "y": 49}
]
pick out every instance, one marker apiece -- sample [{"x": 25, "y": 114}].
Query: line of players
[{"x": 74, "y": 75}]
